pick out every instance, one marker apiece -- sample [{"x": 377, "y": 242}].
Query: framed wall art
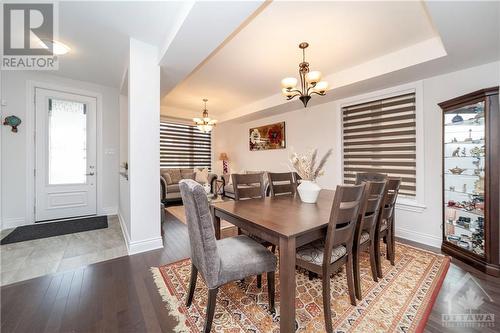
[{"x": 267, "y": 137}]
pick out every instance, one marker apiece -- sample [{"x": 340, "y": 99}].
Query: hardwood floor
[{"x": 119, "y": 295}]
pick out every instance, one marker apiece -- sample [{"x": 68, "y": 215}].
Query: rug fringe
[{"x": 171, "y": 302}]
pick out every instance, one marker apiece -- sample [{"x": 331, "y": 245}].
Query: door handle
[{"x": 89, "y": 174}]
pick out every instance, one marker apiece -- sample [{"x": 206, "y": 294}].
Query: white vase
[{"x": 308, "y": 191}]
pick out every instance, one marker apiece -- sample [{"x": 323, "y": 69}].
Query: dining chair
[
  {"x": 326, "y": 256},
  {"x": 370, "y": 176},
  {"x": 282, "y": 183},
  {"x": 365, "y": 236},
  {"x": 220, "y": 261},
  {"x": 251, "y": 186},
  {"x": 385, "y": 223}
]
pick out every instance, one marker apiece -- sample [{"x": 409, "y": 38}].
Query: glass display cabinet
[{"x": 471, "y": 163}]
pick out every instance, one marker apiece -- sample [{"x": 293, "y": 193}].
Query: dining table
[{"x": 286, "y": 222}]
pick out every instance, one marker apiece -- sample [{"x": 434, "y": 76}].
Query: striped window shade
[
  {"x": 184, "y": 146},
  {"x": 380, "y": 136}
]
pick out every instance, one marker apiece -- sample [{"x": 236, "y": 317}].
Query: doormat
[{"x": 51, "y": 229}]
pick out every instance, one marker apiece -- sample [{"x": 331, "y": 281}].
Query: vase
[{"x": 308, "y": 191}]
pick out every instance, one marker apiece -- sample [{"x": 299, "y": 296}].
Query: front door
[{"x": 65, "y": 143}]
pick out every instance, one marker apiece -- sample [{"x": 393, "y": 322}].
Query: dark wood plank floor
[{"x": 119, "y": 295}]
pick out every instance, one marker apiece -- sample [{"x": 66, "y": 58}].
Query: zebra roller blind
[
  {"x": 184, "y": 146},
  {"x": 380, "y": 136}
]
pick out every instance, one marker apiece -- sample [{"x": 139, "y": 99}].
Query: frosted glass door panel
[{"x": 67, "y": 153}]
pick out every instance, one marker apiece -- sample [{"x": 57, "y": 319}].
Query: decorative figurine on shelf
[
  {"x": 456, "y": 170},
  {"x": 452, "y": 188},
  {"x": 479, "y": 185},
  {"x": 477, "y": 151},
  {"x": 469, "y": 139},
  {"x": 464, "y": 188},
  {"x": 463, "y": 152},
  {"x": 457, "y": 119},
  {"x": 454, "y": 140},
  {"x": 456, "y": 152},
  {"x": 12, "y": 121}
]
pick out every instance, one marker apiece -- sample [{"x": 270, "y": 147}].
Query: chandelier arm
[
  {"x": 293, "y": 96},
  {"x": 296, "y": 90},
  {"x": 318, "y": 93}
]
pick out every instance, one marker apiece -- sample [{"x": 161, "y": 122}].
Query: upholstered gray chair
[{"x": 220, "y": 261}]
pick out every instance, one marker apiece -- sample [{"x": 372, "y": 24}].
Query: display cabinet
[{"x": 471, "y": 163}]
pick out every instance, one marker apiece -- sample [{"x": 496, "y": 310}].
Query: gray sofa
[
  {"x": 228, "y": 186},
  {"x": 170, "y": 178}
]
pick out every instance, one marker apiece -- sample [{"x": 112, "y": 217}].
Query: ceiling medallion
[
  {"x": 205, "y": 124},
  {"x": 310, "y": 81}
]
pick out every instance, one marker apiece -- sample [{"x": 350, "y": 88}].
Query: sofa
[
  {"x": 229, "y": 188},
  {"x": 170, "y": 178}
]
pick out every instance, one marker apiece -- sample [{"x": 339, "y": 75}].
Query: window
[
  {"x": 380, "y": 136},
  {"x": 184, "y": 146}
]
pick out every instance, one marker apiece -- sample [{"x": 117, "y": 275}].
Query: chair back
[
  {"x": 370, "y": 177},
  {"x": 370, "y": 208},
  {"x": 390, "y": 197},
  {"x": 343, "y": 218},
  {"x": 248, "y": 186},
  {"x": 201, "y": 231},
  {"x": 282, "y": 183}
]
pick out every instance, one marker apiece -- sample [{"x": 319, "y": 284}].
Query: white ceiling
[
  {"x": 341, "y": 35},
  {"x": 98, "y": 33}
]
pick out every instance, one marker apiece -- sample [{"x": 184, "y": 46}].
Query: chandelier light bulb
[
  {"x": 321, "y": 86},
  {"x": 313, "y": 77},
  {"x": 289, "y": 82}
]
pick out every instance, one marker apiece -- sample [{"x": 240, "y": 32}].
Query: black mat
[{"x": 50, "y": 229}]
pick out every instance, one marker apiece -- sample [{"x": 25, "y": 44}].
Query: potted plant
[{"x": 305, "y": 166}]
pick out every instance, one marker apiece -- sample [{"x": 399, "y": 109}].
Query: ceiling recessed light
[{"x": 58, "y": 48}]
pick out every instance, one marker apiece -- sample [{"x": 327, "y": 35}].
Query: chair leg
[
  {"x": 390, "y": 246},
  {"x": 259, "y": 281},
  {"x": 270, "y": 290},
  {"x": 326, "y": 303},
  {"x": 357, "y": 282},
  {"x": 378, "y": 261},
  {"x": 350, "y": 279},
  {"x": 192, "y": 285},
  {"x": 374, "y": 259},
  {"x": 239, "y": 232},
  {"x": 212, "y": 298},
  {"x": 312, "y": 275}
]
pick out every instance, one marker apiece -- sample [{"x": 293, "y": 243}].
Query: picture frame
[{"x": 267, "y": 137}]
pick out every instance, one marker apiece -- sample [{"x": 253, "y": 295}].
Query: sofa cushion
[
  {"x": 186, "y": 175},
  {"x": 173, "y": 188},
  {"x": 175, "y": 175},
  {"x": 167, "y": 177}
]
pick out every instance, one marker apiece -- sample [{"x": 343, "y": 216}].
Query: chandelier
[
  {"x": 205, "y": 124},
  {"x": 310, "y": 81}
]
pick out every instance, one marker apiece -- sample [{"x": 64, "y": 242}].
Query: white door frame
[{"x": 30, "y": 142}]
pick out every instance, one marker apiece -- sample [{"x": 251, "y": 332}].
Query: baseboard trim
[
  {"x": 109, "y": 211},
  {"x": 124, "y": 231},
  {"x": 139, "y": 246},
  {"x": 418, "y": 237},
  {"x": 145, "y": 245},
  {"x": 13, "y": 222}
]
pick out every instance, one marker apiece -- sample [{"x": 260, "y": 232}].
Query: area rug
[{"x": 400, "y": 302}]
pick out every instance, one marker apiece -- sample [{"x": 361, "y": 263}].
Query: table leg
[
  {"x": 216, "y": 221},
  {"x": 287, "y": 284}
]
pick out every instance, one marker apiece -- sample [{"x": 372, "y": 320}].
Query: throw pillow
[
  {"x": 167, "y": 177},
  {"x": 201, "y": 175},
  {"x": 175, "y": 175}
]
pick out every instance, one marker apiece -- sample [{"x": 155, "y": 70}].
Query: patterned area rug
[{"x": 400, "y": 302}]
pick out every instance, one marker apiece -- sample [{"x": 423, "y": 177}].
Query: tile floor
[{"x": 26, "y": 260}]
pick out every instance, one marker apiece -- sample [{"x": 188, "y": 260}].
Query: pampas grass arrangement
[{"x": 305, "y": 164}]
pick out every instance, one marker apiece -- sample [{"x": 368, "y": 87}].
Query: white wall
[
  {"x": 320, "y": 127},
  {"x": 14, "y": 145},
  {"x": 124, "y": 195}
]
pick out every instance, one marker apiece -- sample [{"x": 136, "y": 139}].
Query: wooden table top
[{"x": 286, "y": 216}]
